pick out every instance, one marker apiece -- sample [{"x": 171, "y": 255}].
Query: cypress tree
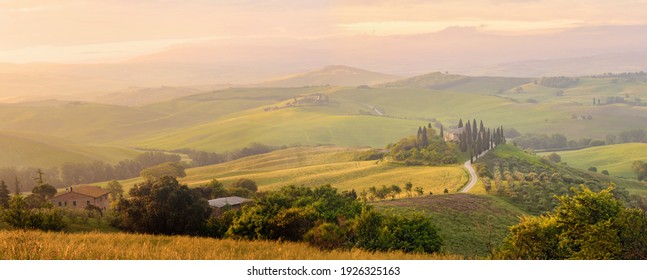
[
  {"x": 429, "y": 125},
  {"x": 474, "y": 131},
  {"x": 468, "y": 134},
  {"x": 481, "y": 127},
  {"x": 460, "y": 123},
  {"x": 424, "y": 138},
  {"x": 442, "y": 134}
]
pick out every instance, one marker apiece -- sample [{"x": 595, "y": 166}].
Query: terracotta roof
[{"x": 88, "y": 190}]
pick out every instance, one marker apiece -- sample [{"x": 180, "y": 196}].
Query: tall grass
[{"x": 37, "y": 245}]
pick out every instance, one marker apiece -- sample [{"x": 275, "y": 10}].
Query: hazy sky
[{"x": 70, "y": 31}]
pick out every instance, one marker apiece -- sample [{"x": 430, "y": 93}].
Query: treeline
[
  {"x": 629, "y": 76},
  {"x": 558, "y": 82},
  {"x": 320, "y": 216},
  {"x": 475, "y": 139},
  {"x": 23, "y": 179},
  {"x": 537, "y": 141},
  {"x": 81, "y": 173},
  {"x": 426, "y": 148},
  {"x": 202, "y": 158}
]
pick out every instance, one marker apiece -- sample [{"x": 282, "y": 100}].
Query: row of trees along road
[{"x": 475, "y": 139}]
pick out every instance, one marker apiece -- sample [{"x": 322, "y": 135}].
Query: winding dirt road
[{"x": 473, "y": 177}]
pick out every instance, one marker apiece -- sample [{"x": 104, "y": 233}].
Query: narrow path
[{"x": 473, "y": 177}]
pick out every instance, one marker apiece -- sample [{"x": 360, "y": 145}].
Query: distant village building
[
  {"x": 80, "y": 196},
  {"x": 226, "y": 203},
  {"x": 453, "y": 134}
]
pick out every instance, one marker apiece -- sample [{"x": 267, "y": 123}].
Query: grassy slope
[
  {"x": 36, "y": 245},
  {"x": 506, "y": 151},
  {"x": 323, "y": 165},
  {"x": 616, "y": 159},
  {"x": 24, "y": 149},
  {"x": 467, "y": 222}
]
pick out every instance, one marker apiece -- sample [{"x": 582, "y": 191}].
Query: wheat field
[{"x": 37, "y": 245}]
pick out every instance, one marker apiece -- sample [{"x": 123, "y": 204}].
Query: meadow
[
  {"x": 36, "y": 245},
  {"x": 471, "y": 225},
  {"x": 616, "y": 159},
  {"x": 316, "y": 166}
]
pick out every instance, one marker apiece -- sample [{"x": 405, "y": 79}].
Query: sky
[{"x": 92, "y": 31}]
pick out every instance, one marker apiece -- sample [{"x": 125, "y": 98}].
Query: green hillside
[
  {"x": 23, "y": 149},
  {"x": 616, "y": 159},
  {"x": 468, "y": 223}
]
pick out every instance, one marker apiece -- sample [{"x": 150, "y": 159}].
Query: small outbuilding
[{"x": 225, "y": 203}]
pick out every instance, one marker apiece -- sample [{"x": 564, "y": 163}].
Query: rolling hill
[
  {"x": 228, "y": 119},
  {"x": 470, "y": 224},
  {"x": 616, "y": 159},
  {"x": 20, "y": 149},
  {"x": 316, "y": 166},
  {"x": 336, "y": 75}
]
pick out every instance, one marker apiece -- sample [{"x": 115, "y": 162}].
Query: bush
[
  {"x": 19, "y": 216},
  {"x": 326, "y": 236}
]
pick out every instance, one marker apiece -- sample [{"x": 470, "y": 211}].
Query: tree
[
  {"x": 172, "y": 169},
  {"x": 162, "y": 206},
  {"x": 407, "y": 187},
  {"x": 20, "y": 216},
  {"x": 640, "y": 168},
  {"x": 442, "y": 133},
  {"x": 245, "y": 184},
  {"x": 4, "y": 195},
  {"x": 420, "y": 191},
  {"x": 460, "y": 123},
  {"x": 46, "y": 191},
  {"x": 554, "y": 157},
  {"x": 116, "y": 190},
  {"x": 593, "y": 169},
  {"x": 587, "y": 225},
  {"x": 394, "y": 191},
  {"x": 605, "y": 172}
]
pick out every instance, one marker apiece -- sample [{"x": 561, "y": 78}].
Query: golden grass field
[
  {"x": 316, "y": 166},
  {"x": 37, "y": 245}
]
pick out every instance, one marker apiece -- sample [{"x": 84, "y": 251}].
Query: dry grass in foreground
[{"x": 36, "y": 245}]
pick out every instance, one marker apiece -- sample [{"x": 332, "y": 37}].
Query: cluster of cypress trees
[{"x": 477, "y": 139}]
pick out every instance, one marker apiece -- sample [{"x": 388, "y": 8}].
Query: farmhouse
[
  {"x": 452, "y": 135},
  {"x": 80, "y": 196}
]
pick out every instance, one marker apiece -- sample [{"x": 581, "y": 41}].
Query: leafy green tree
[
  {"x": 116, "y": 190},
  {"x": 394, "y": 191},
  {"x": 20, "y": 216},
  {"x": 593, "y": 169},
  {"x": 162, "y": 206},
  {"x": 245, "y": 184},
  {"x": 4, "y": 195},
  {"x": 605, "y": 172},
  {"x": 640, "y": 168},
  {"x": 554, "y": 157},
  {"x": 420, "y": 191},
  {"x": 172, "y": 169},
  {"x": 45, "y": 190},
  {"x": 587, "y": 225},
  {"x": 407, "y": 187}
]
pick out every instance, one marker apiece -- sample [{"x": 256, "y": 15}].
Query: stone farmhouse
[
  {"x": 80, "y": 196},
  {"x": 452, "y": 135}
]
